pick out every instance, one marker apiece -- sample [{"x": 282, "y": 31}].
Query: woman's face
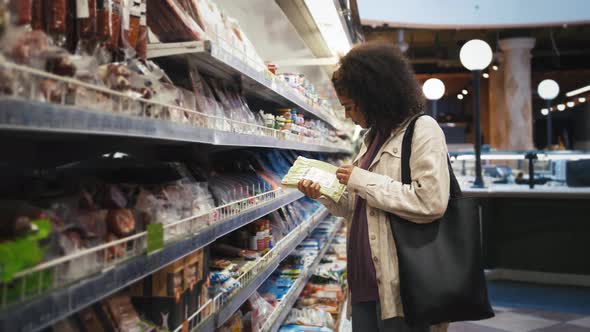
[{"x": 353, "y": 112}]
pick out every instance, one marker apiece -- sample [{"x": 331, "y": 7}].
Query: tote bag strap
[{"x": 455, "y": 188}]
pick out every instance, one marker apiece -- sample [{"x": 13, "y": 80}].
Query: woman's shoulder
[{"x": 427, "y": 128}]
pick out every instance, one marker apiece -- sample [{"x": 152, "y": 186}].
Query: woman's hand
[
  {"x": 343, "y": 173},
  {"x": 309, "y": 188}
]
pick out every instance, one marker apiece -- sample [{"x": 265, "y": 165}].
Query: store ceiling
[{"x": 437, "y": 51}]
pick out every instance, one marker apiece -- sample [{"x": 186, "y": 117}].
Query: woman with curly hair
[{"x": 379, "y": 91}]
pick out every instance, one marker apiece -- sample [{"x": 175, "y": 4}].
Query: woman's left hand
[{"x": 343, "y": 173}]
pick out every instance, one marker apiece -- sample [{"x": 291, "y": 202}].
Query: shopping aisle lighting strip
[
  {"x": 98, "y": 98},
  {"x": 540, "y": 156},
  {"x": 265, "y": 265},
  {"x": 578, "y": 91},
  {"x": 279, "y": 313},
  {"x": 98, "y": 259}
]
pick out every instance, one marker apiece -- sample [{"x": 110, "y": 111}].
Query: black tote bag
[{"x": 440, "y": 263}]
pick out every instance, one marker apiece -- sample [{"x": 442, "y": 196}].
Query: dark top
[{"x": 362, "y": 279}]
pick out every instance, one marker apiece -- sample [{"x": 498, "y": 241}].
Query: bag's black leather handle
[{"x": 455, "y": 188}]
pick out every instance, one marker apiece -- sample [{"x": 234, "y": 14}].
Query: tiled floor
[{"x": 526, "y": 320}]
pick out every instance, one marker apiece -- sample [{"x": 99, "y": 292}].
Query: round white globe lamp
[
  {"x": 548, "y": 90},
  {"x": 433, "y": 89},
  {"x": 476, "y": 55}
]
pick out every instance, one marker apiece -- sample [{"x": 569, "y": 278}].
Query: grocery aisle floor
[
  {"x": 526, "y": 320},
  {"x": 524, "y": 307}
]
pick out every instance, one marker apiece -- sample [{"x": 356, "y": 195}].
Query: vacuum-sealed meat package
[
  {"x": 21, "y": 11},
  {"x": 56, "y": 15},
  {"x": 170, "y": 23}
]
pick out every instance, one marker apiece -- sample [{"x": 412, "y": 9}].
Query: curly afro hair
[{"x": 379, "y": 80}]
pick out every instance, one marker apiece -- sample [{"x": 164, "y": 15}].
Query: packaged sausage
[
  {"x": 38, "y": 15},
  {"x": 56, "y": 14},
  {"x": 134, "y": 23},
  {"x": 21, "y": 12},
  {"x": 142, "y": 38},
  {"x": 108, "y": 22},
  {"x": 86, "y": 19},
  {"x": 121, "y": 222}
]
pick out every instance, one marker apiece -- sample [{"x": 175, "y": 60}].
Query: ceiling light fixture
[
  {"x": 570, "y": 104},
  {"x": 328, "y": 19},
  {"x": 582, "y": 99},
  {"x": 578, "y": 91},
  {"x": 465, "y": 92},
  {"x": 561, "y": 107},
  {"x": 460, "y": 96},
  {"x": 544, "y": 111},
  {"x": 486, "y": 75},
  {"x": 495, "y": 68}
]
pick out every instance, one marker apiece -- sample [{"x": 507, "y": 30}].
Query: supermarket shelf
[
  {"x": 287, "y": 304},
  {"x": 31, "y": 116},
  {"x": 228, "y": 63},
  {"x": 318, "y": 218},
  {"x": 229, "y": 308},
  {"x": 60, "y": 303}
]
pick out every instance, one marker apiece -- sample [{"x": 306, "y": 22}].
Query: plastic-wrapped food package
[
  {"x": 37, "y": 15},
  {"x": 21, "y": 11},
  {"x": 316, "y": 171},
  {"x": 142, "y": 38},
  {"x": 207, "y": 104},
  {"x": 261, "y": 311},
  {"x": 56, "y": 14},
  {"x": 310, "y": 317},
  {"x": 211, "y": 19},
  {"x": 170, "y": 23},
  {"x": 108, "y": 22},
  {"x": 86, "y": 20},
  {"x": 123, "y": 314}
]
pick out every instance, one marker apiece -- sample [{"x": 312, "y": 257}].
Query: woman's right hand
[{"x": 309, "y": 188}]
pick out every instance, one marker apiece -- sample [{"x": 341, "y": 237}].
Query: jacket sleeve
[
  {"x": 341, "y": 209},
  {"x": 426, "y": 198}
]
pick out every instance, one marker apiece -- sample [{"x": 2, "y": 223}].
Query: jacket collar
[{"x": 394, "y": 133}]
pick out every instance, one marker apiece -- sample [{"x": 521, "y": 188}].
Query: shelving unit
[
  {"x": 99, "y": 120},
  {"x": 47, "y": 308},
  {"x": 228, "y": 63},
  {"x": 223, "y": 306},
  {"x": 281, "y": 312}
]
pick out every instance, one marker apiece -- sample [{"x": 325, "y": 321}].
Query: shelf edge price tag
[{"x": 155, "y": 237}]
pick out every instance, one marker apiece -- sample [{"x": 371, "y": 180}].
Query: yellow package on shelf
[{"x": 316, "y": 171}]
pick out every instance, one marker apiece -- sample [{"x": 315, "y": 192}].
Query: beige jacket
[{"x": 425, "y": 200}]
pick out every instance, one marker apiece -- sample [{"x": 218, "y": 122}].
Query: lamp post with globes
[
  {"x": 548, "y": 90},
  {"x": 433, "y": 90},
  {"x": 476, "y": 55}
]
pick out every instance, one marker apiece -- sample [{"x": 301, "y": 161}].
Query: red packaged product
[
  {"x": 134, "y": 22},
  {"x": 108, "y": 22},
  {"x": 142, "y": 39},
  {"x": 121, "y": 222},
  {"x": 37, "y": 15},
  {"x": 56, "y": 16},
  {"x": 86, "y": 19},
  {"x": 21, "y": 11}
]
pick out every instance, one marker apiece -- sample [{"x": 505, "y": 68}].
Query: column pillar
[{"x": 511, "y": 115}]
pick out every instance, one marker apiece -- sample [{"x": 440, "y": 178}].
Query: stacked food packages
[
  {"x": 321, "y": 303},
  {"x": 81, "y": 206},
  {"x": 98, "y": 48},
  {"x": 166, "y": 299}
]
